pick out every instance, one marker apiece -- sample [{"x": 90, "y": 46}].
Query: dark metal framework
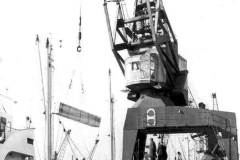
[{"x": 148, "y": 28}]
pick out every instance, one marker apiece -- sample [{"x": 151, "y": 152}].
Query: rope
[
  {"x": 71, "y": 80},
  {"x": 91, "y": 154},
  {"x": 62, "y": 136},
  {"x": 76, "y": 147},
  {"x": 192, "y": 96},
  {"x": 40, "y": 65},
  {"x": 38, "y": 151},
  {"x": 75, "y": 155},
  {"x": 60, "y": 140},
  {"x": 58, "y": 128},
  {"x": 4, "y": 108},
  {"x": 8, "y": 98}
]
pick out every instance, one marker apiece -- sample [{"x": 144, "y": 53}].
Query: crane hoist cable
[
  {"x": 70, "y": 83},
  {"x": 41, "y": 71},
  {"x": 79, "y": 48}
]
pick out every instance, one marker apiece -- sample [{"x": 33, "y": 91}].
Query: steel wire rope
[
  {"x": 76, "y": 147},
  {"x": 58, "y": 131},
  {"x": 70, "y": 144},
  {"x": 71, "y": 148},
  {"x": 192, "y": 97},
  {"x": 41, "y": 72},
  {"x": 38, "y": 150},
  {"x": 42, "y": 82},
  {"x": 91, "y": 154},
  {"x": 60, "y": 140}
]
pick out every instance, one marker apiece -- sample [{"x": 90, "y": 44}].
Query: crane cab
[{"x": 144, "y": 71}]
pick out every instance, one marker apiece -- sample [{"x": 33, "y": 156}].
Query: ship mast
[
  {"x": 112, "y": 134},
  {"x": 48, "y": 115}
]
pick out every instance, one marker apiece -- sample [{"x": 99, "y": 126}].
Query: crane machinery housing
[{"x": 156, "y": 76}]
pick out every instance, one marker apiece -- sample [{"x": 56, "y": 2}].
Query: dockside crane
[
  {"x": 153, "y": 63},
  {"x": 156, "y": 77}
]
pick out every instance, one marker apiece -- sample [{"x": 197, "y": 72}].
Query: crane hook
[{"x": 79, "y": 48}]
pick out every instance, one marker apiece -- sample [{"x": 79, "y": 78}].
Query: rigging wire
[
  {"x": 70, "y": 84},
  {"x": 40, "y": 65},
  {"x": 58, "y": 130},
  {"x": 8, "y": 98},
  {"x": 91, "y": 154},
  {"x": 64, "y": 129},
  {"x": 4, "y": 108},
  {"x": 194, "y": 101},
  {"x": 76, "y": 147},
  {"x": 75, "y": 155},
  {"x": 60, "y": 140},
  {"x": 38, "y": 151}
]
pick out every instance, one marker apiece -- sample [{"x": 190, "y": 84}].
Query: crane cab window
[{"x": 135, "y": 66}]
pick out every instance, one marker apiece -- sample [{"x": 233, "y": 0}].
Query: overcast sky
[{"x": 208, "y": 37}]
